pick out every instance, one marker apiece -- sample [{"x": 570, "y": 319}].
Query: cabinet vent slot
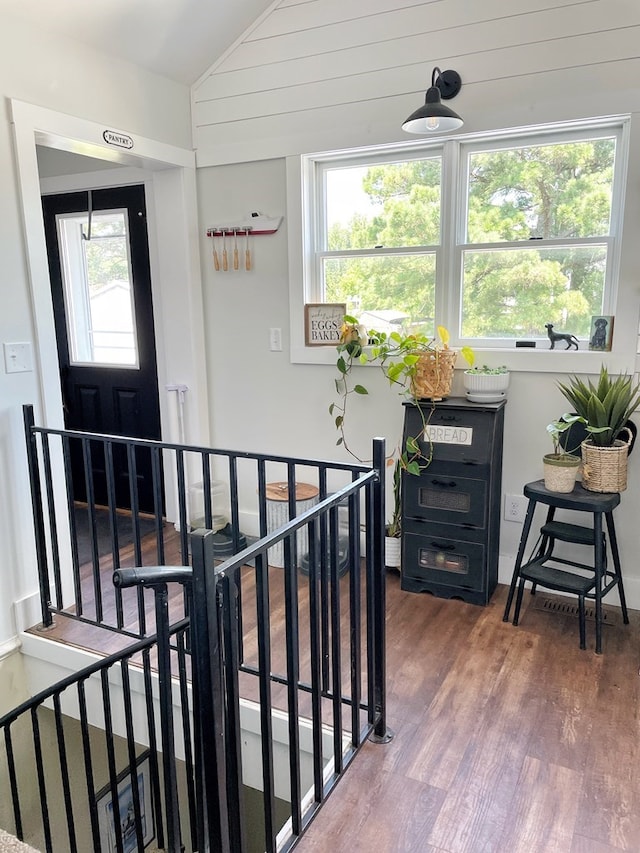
[{"x": 439, "y": 499}]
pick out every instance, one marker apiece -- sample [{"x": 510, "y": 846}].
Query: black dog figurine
[
  {"x": 599, "y": 339},
  {"x": 571, "y": 340}
]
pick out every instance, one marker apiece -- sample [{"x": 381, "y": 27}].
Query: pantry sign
[
  {"x": 441, "y": 434},
  {"x": 323, "y": 321}
]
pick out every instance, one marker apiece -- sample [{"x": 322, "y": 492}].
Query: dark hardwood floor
[{"x": 506, "y": 739}]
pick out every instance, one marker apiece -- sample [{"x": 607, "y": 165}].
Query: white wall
[
  {"x": 63, "y": 76},
  {"x": 327, "y": 75}
]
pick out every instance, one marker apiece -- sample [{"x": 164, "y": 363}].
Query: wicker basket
[
  {"x": 434, "y": 374},
  {"x": 604, "y": 469}
]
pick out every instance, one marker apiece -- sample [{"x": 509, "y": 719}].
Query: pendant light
[{"x": 434, "y": 116}]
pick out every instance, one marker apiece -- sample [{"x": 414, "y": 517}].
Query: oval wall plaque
[{"x": 119, "y": 139}]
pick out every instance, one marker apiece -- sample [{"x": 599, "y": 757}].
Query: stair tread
[
  {"x": 569, "y": 532},
  {"x": 548, "y": 576}
]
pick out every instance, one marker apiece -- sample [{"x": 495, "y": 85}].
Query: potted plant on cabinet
[
  {"x": 421, "y": 367},
  {"x": 606, "y": 407},
  {"x": 486, "y": 384}
]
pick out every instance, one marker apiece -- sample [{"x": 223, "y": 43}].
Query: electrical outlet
[{"x": 515, "y": 507}]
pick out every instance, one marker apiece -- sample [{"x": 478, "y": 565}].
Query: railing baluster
[
  {"x": 93, "y": 535},
  {"x": 355, "y": 619},
  {"x": 186, "y": 728},
  {"x": 131, "y": 751},
  {"x": 137, "y": 547},
  {"x": 315, "y": 661},
  {"x": 42, "y": 785},
  {"x": 64, "y": 774},
  {"x": 266, "y": 725},
  {"x": 182, "y": 507},
  {"x": 206, "y": 491},
  {"x": 13, "y": 782},
  {"x": 75, "y": 562},
  {"x": 293, "y": 675},
  {"x": 38, "y": 518},
  {"x": 113, "y": 526},
  {"x": 111, "y": 756},
  {"x": 156, "y": 795},
  {"x": 228, "y": 585},
  {"x": 88, "y": 760},
  {"x": 53, "y": 527},
  {"x": 336, "y": 649},
  {"x": 156, "y": 475}
]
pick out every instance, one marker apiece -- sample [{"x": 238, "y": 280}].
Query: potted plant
[
  {"x": 561, "y": 467},
  {"x": 420, "y": 366},
  {"x": 606, "y": 406},
  {"x": 483, "y": 384}
]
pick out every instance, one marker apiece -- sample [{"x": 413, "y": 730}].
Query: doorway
[{"x": 98, "y": 255}]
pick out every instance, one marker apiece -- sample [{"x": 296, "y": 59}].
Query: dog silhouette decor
[{"x": 554, "y": 337}]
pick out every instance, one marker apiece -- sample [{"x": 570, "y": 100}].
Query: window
[
  {"x": 98, "y": 292},
  {"x": 492, "y": 237}
]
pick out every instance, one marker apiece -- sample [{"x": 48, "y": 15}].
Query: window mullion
[{"x": 447, "y": 268}]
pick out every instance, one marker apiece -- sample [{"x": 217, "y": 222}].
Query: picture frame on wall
[
  {"x": 322, "y": 323},
  {"x": 601, "y": 333},
  {"x": 125, "y": 809}
]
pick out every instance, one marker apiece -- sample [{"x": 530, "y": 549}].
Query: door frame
[{"x": 170, "y": 186}]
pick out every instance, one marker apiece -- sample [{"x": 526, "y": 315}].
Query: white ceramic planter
[
  {"x": 392, "y": 552},
  {"x": 485, "y": 387}
]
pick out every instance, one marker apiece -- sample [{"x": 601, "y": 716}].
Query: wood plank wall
[{"x": 310, "y": 67}]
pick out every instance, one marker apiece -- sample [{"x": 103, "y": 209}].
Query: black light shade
[{"x": 434, "y": 117}]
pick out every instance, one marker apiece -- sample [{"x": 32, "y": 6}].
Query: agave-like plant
[{"x": 605, "y": 406}]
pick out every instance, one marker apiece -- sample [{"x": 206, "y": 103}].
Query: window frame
[{"x": 303, "y": 198}]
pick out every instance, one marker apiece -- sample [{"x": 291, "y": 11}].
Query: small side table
[{"x": 542, "y": 569}]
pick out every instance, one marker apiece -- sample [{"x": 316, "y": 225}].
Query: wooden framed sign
[{"x": 322, "y": 323}]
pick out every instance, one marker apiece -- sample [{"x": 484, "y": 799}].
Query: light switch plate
[{"x": 17, "y": 358}]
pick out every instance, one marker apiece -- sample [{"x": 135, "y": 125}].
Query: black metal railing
[
  {"x": 80, "y": 543},
  {"x": 83, "y": 765},
  {"x": 300, "y": 646}
]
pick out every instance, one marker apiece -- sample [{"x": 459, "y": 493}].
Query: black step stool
[{"x": 592, "y": 581}]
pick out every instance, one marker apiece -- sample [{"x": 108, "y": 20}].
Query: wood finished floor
[{"x": 506, "y": 739}]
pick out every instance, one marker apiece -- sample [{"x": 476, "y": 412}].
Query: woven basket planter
[
  {"x": 434, "y": 375},
  {"x": 604, "y": 469},
  {"x": 560, "y": 471}
]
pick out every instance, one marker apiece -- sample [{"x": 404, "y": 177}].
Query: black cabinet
[{"x": 451, "y": 511}]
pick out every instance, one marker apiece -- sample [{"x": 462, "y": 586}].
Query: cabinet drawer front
[
  {"x": 443, "y": 560},
  {"x": 451, "y": 500},
  {"x": 453, "y": 434}
]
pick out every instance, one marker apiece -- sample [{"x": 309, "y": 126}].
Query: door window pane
[{"x": 98, "y": 289}]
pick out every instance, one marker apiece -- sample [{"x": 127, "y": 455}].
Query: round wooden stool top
[{"x": 280, "y": 491}]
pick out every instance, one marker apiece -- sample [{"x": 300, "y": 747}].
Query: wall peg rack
[{"x": 254, "y": 225}]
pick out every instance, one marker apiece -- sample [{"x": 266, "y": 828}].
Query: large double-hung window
[{"x": 492, "y": 238}]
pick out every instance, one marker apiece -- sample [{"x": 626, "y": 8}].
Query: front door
[{"x": 101, "y": 287}]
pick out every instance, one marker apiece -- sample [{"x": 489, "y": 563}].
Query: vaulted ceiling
[{"x": 178, "y": 39}]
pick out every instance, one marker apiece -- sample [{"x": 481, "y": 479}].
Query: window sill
[{"x": 518, "y": 360}]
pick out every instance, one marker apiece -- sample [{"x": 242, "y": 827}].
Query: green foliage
[
  {"x": 396, "y": 355},
  {"x": 605, "y": 406},
  {"x": 543, "y": 191}
]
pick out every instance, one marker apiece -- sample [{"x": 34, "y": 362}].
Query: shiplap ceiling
[{"x": 178, "y": 39}]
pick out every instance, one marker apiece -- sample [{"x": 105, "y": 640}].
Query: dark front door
[{"x": 101, "y": 288}]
